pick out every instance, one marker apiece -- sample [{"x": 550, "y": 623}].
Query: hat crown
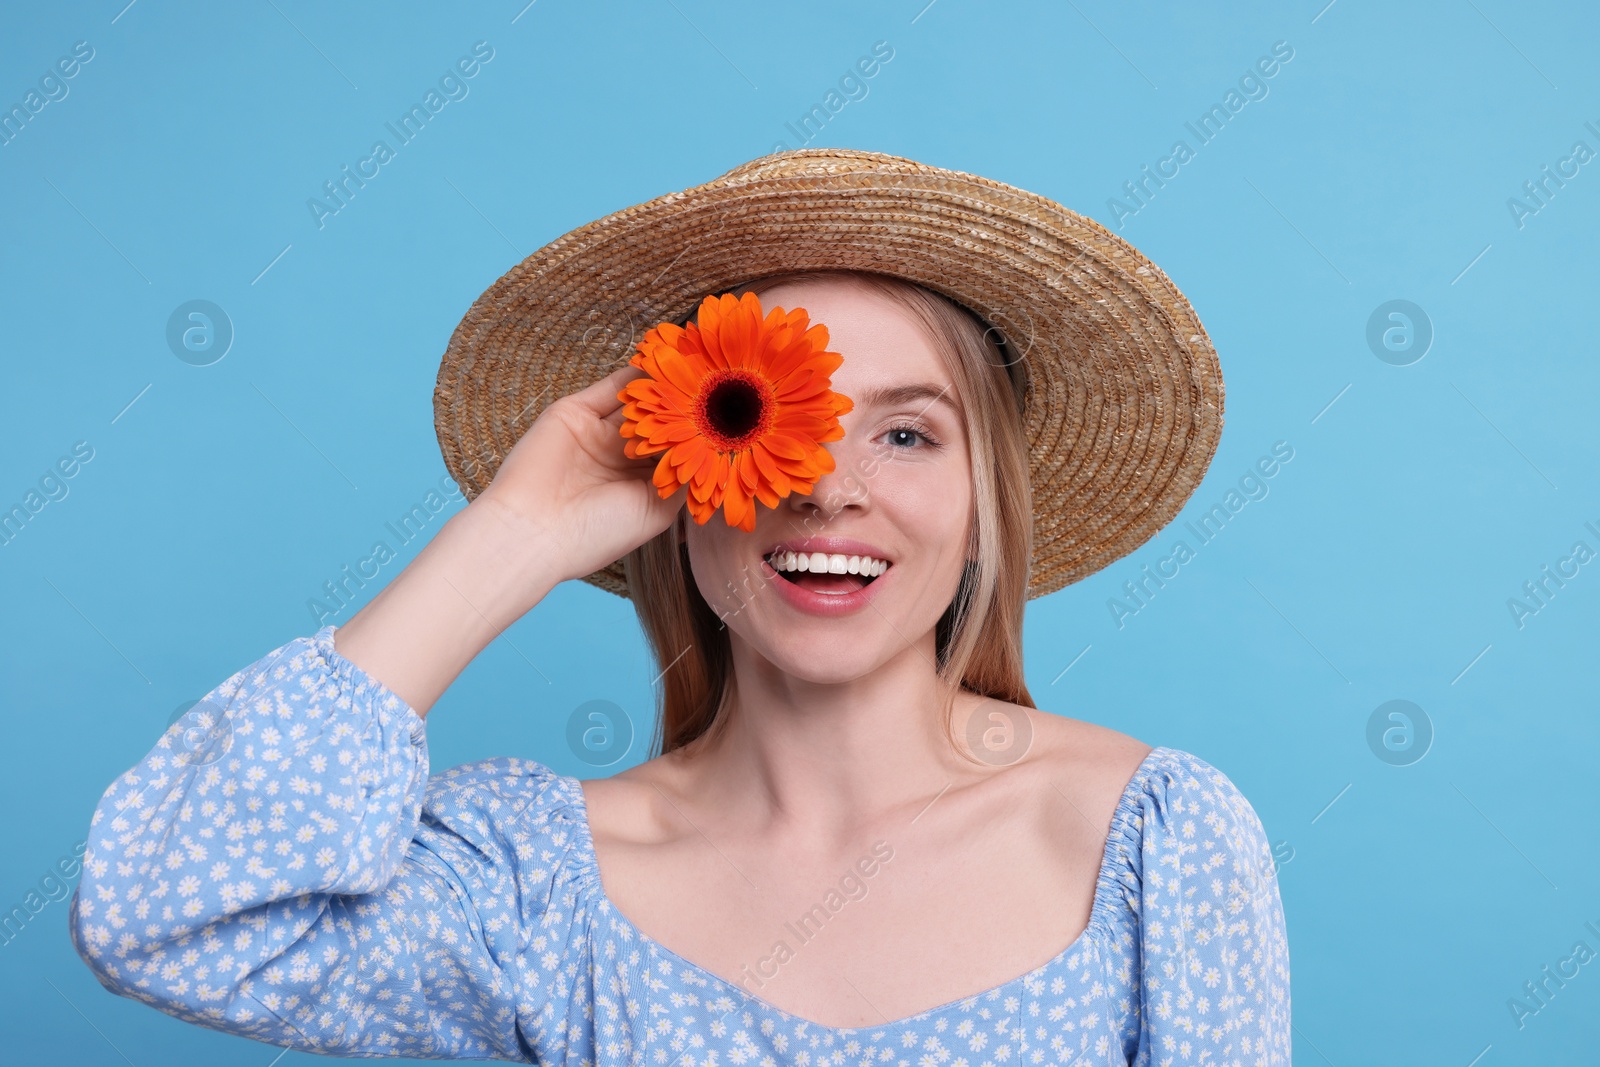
[{"x": 798, "y": 162}]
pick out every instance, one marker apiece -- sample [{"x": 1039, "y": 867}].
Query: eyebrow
[{"x": 887, "y": 396}]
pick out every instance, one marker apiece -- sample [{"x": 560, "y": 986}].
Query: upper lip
[{"x": 843, "y": 546}]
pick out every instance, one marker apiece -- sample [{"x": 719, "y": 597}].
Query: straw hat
[{"x": 1123, "y": 392}]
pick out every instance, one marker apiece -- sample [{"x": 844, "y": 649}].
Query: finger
[
  {"x": 601, "y": 397},
  {"x": 613, "y": 424}
]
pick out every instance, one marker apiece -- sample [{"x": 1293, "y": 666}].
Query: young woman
[{"x": 861, "y": 842}]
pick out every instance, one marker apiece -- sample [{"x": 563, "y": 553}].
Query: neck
[{"x": 817, "y": 761}]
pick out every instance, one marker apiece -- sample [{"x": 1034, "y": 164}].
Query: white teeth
[{"x": 827, "y": 563}]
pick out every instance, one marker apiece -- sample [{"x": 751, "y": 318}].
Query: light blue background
[{"x": 1419, "y": 898}]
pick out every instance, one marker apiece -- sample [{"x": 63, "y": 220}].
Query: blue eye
[{"x": 904, "y": 436}]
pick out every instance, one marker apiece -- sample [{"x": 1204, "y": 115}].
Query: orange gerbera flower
[{"x": 737, "y": 405}]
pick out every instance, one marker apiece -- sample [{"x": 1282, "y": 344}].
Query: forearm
[{"x": 482, "y": 572}]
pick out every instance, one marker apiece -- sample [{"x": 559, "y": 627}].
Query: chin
[
  {"x": 824, "y": 649},
  {"x": 821, "y": 657}
]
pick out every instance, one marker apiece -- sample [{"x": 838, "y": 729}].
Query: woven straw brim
[{"x": 1123, "y": 389}]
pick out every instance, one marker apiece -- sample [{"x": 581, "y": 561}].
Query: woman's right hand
[{"x": 567, "y": 481}]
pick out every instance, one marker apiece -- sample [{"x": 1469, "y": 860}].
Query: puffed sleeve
[
  {"x": 1212, "y": 949},
  {"x": 280, "y": 866}
]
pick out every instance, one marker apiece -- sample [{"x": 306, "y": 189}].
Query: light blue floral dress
[{"x": 287, "y": 870}]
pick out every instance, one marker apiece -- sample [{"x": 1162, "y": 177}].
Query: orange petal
[
  {"x": 810, "y": 393},
  {"x": 770, "y": 470},
  {"x": 671, "y": 399},
  {"x": 688, "y": 453},
  {"x": 709, "y": 319},
  {"x": 802, "y": 425},
  {"x": 678, "y": 430},
  {"x": 707, "y": 484},
  {"x": 780, "y": 444},
  {"x": 738, "y": 510},
  {"x": 663, "y": 476},
  {"x": 701, "y": 489},
  {"x": 643, "y": 447},
  {"x": 666, "y": 333},
  {"x": 788, "y": 355},
  {"x": 679, "y": 373},
  {"x": 744, "y": 469},
  {"x": 835, "y": 434}
]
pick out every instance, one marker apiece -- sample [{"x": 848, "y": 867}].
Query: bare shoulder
[
  {"x": 1088, "y": 764},
  {"x": 1079, "y": 746},
  {"x": 633, "y": 806}
]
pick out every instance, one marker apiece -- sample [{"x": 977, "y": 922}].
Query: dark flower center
[{"x": 734, "y": 409}]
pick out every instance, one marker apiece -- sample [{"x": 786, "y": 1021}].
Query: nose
[{"x": 841, "y": 488}]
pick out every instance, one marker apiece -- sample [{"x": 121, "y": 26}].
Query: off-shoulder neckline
[{"x": 1099, "y": 911}]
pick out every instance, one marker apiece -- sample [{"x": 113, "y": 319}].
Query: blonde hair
[{"x": 979, "y": 636}]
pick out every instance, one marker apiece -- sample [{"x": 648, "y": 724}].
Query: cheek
[
  {"x": 710, "y": 563},
  {"x": 930, "y": 503},
  {"x": 702, "y": 555}
]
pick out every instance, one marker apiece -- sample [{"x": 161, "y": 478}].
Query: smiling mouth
[{"x": 821, "y": 572}]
